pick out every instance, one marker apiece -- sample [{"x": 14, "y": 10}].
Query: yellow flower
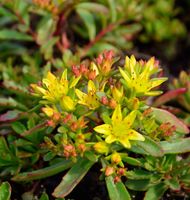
[
  {"x": 90, "y": 99},
  {"x": 137, "y": 76},
  {"x": 120, "y": 129},
  {"x": 101, "y": 147},
  {"x": 55, "y": 90}
]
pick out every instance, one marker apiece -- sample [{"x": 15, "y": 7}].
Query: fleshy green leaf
[
  {"x": 8, "y": 34},
  {"x": 5, "y": 191},
  {"x": 89, "y": 22},
  {"x": 138, "y": 185},
  {"x": 178, "y": 146},
  {"x": 173, "y": 183},
  {"x": 116, "y": 191},
  {"x": 72, "y": 178},
  {"x": 149, "y": 147},
  {"x": 18, "y": 127},
  {"x": 155, "y": 192},
  {"x": 43, "y": 173}
]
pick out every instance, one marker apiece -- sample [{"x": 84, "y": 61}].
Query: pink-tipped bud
[
  {"x": 109, "y": 54},
  {"x": 67, "y": 118},
  {"x": 117, "y": 179},
  {"x": 75, "y": 70},
  {"x": 113, "y": 103},
  {"x": 99, "y": 60},
  {"x": 104, "y": 100},
  {"x": 109, "y": 170},
  {"x": 51, "y": 123},
  {"x": 92, "y": 75}
]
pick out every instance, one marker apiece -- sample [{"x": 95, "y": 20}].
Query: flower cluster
[{"x": 99, "y": 108}]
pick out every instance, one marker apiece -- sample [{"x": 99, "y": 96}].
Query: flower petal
[
  {"x": 104, "y": 129},
  {"x": 125, "y": 76},
  {"x": 91, "y": 86},
  {"x": 134, "y": 135},
  {"x": 110, "y": 139},
  {"x": 81, "y": 95},
  {"x": 125, "y": 142},
  {"x": 117, "y": 115},
  {"x": 156, "y": 82},
  {"x": 129, "y": 119}
]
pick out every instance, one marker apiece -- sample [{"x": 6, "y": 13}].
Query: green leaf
[
  {"x": 18, "y": 127},
  {"x": 178, "y": 146},
  {"x": 91, "y": 156},
  {"x": 8, "y": 34},
  {"x": 72, "y": 178},
  {"x": 89, "y": 22},
  {"x": 164, "y": 116},
  {"x": 44, "y": 196},
  {"x": 46, "y": 27},
  {"x": 138, "y": 174},
  {"x": 112, "y": 5},
  {"x": 11, "y": 103},
  {"x": 138, "y": 185},
  {"x": 185, "y": 179},
  {"x": 116, "y": 191},
  {"x": 130, "y": 160},
  {"x": 155, "y": 192},
  {"x": 150, "y": 147},
  {"x": 93, "y": 7},
  {"x": 173, "y": 183},
  {"x": 5, "y": 191},
  {"x": 43, "y": 173}
]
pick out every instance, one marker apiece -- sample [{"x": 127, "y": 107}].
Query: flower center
[{"x": 119, "y": 129}]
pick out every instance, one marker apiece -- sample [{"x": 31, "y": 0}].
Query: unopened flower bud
[
  {"x": 109, "y": 170},
  {"x": 113, "y": 103},
  {"x": 67, "y": 118},
  {"x": 116, "y": 158},
  {"x": 74, "y": 126},
  {"x": 101, "y": 147},
  {"x": 121, "y": 171},
  {"x": 104, "y": 100},
  {"x": 117, "y": 179},
  {"x": 51, "y": 123},
  {"x": 82, "y": 148},
  {"x": 92, "y": 75}
]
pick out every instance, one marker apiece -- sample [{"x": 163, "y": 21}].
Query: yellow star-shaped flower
[
  {"x": 90, "y": 99},
  {"x": 137, "y": 76},
  {"x": 120, "y": 129},
  {"x": 55, "y": 90}
]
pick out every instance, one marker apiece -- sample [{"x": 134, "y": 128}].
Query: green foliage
[
  {"x": 5, "y": 191},
  {"x": 88, "y": 111}
]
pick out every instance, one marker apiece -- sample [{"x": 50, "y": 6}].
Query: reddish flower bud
[
  {"x": 76, "y": 71},
  {"x": 92, "y": 75},
  {"x": 99, "y": 59},
  {"x": 83, "y": 69},
  {"x": 108, "y": 54},
  {"x": 117, "y": 179},
  {"x": 74, "y": 126},
  {"x": 109, "y": 170},
  {"x": 82, "y": 148},
  {"x": 104, "y": 100},
  {"x": 121, "y": 171},
  {"x": 112, "y": 103},
  {"x": 56, "y": 116},
  {"x": 51, "y": 123},
  {"x": 67, "y": 118}
]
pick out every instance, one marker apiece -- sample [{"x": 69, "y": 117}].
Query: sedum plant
[{"x": 98, "y": 112}]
